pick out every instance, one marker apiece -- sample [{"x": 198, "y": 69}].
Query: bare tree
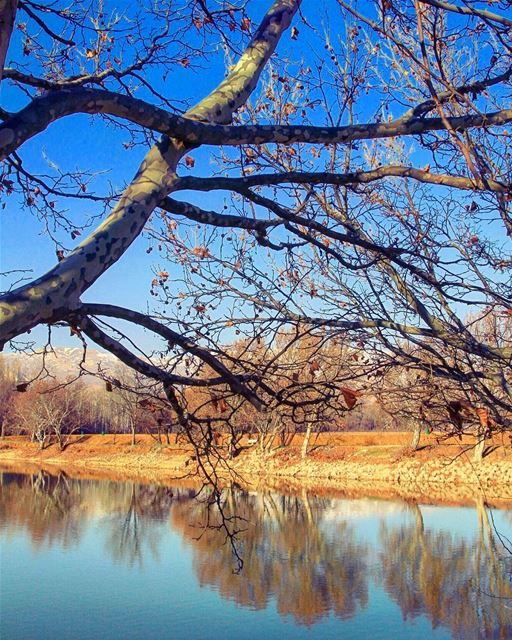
[
  {"x": 382, "y": 229},
  {"x": 47, "y": 413},
  {"x": 397, "y": 261}
]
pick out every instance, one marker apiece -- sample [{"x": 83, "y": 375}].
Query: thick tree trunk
[{"x": 56, "y": 294}]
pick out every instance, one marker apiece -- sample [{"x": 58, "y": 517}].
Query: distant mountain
[{"x": 63, "y": 363}]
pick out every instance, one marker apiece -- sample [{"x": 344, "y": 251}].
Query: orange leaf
[
  {"x": 201, "y": 252},
  {"x": 314, "y": 367},
  {"x": 350, "y": 396}
]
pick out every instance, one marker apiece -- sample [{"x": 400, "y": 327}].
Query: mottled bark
[
  {"x": 55, "y": 294},
  {"x": 479, "y": 449},
  {"x": 469, "y": 11},
  {"x": 41, "y": 112},
  {"x": 193, "y": 212}
]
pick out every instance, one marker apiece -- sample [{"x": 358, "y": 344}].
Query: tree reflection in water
[
  {"x": 285, "y": 554},
  {"x": 458, "y": 582},
  {"x": 50, "y": 508},
  {"x": 462, "y": 586},
  {"x": 131, "y": 529},
  {"x": 55, "y": 509}
]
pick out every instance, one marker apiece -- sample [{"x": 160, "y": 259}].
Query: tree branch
[
  {"x": 173, "y": 338},
  {"x": 92, "y": 331},
  {"x": 57, "y": 292},
  {"x": 7, "y": 17},
  {"x": 44, "y": 26},
  {"x": 469, "y": 11},
  {"x": 340, "y": 179},
  {"x": 41, "y": 112},
  {"x": 193, "y": 212}
]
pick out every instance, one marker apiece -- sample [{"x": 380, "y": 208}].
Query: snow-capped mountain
[{"x": 62, "y": 362}]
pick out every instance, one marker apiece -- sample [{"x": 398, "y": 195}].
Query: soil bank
[{"x": 350, "y": 464}]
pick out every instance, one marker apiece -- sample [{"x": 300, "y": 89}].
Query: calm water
[{"x": 91, "y": 559}]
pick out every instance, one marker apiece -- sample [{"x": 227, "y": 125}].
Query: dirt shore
[{"x": 350, "y": 464}]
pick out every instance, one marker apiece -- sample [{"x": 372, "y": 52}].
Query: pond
[{"x": 103, "y": 559}]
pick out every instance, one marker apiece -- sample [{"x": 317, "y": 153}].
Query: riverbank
[{"x": 354, "y": 464}]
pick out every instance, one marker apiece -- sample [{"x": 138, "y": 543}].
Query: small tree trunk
[
  {"x": 233, "y": 445},
  {"x": 270, "y": 442},
  {"x": 133, "y": 435},
  {"x": 416, "y": 434},
  {"x": 479, "y": 447},
  {"x": 43, "y": 441},
  {"x": 305, "y": 443}
]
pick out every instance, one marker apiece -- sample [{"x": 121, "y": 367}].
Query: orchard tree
[{"x": 366, "y": 191}]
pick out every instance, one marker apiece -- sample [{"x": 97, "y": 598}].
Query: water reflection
[
  {"x": 312, "y": 557},
  {"x": 55, "y": 509},
  {"x": 460, "y": 584},
  {"x": 285, "y": 555},
  {"x": 50, "y": 508},
  {"x": 130, "y": 530}
]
